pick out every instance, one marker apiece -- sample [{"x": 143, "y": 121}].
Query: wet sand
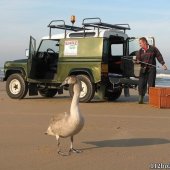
[{"x": 121, "y": 135}]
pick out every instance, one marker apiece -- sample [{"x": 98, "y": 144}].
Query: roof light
[{"x": 73, "y": 19}]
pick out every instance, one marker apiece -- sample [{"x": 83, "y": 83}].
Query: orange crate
[{"x": 159, "y": 97}]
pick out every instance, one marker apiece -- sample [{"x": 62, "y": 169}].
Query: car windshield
[{"x": 52, "y": 44}]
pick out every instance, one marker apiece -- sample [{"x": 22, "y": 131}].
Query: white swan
[{"x": 68, "y": 124}]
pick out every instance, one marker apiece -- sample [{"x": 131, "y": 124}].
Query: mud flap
[
  {"x": 60, "y": 90},
  {"x": 126, "y": 92},
  {"x": 33, "y": 90},
  {"x": 101, "y": 92},
  {"x": 101, "y": 89}
]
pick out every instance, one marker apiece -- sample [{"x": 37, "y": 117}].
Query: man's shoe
[{"x": 140, "y": 99}]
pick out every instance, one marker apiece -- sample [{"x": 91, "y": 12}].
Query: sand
[{"x": 120, "y": 135}]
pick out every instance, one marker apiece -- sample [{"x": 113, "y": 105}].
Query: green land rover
[{"x": 98, "y": 53}]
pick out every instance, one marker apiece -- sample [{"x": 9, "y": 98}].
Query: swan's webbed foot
[
  {"x": 72, "y": 150},
  {"x": 63, "y": 154}
]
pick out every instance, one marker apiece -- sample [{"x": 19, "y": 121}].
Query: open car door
[
  {"x": 129, "y": 68},
  {"x": 32, "y": 52},
  {"x": 133, "y": 45}
]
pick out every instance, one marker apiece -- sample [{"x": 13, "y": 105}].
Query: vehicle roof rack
[
  {"x": 54, "y": 24},
  {"x": 92, "y": 25},
  {"x": 100, "y": 25}
]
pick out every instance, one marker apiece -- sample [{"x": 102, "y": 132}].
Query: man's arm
[{"x": 160, "y": 58}]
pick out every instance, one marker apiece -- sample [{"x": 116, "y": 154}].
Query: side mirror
[{"x": 27, "y": 52}]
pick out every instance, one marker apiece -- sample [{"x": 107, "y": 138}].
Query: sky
[{"x": 21, "y": 18}]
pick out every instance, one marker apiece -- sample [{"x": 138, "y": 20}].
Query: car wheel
[
  {"x": 88, "y": 91},
  {"x": 114, "y": 94},
  {"x": 16, "y": 86}
]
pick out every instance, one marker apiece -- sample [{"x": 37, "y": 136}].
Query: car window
[{"x": 117, "y": 49}]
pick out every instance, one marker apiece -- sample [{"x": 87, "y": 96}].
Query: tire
[
  {"x": 88, "y": 91},
  {"x": 48, "y": 92},
  {"x": 16, "y": 86},
  {"x": 113, "y": 94}
]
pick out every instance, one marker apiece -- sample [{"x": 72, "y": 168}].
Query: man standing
[{"x": 147, "y": 56}]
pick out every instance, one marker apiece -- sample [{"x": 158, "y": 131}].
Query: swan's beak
[{"x": 63, "y": 83}]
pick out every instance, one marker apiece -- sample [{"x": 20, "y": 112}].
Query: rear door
[
  {"x": 129, "y": 68},
  {"x": 133, "y": 45},
  {"x": 32, "y": 52}
]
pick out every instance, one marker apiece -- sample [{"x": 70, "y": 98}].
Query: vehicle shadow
[
  {"x": 45, "y": 98},
  {"x": 122, "y": 99},
  {"x": 134, "y": 142}
]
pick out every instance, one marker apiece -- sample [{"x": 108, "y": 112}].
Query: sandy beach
[{"x": 121, "y": 135}]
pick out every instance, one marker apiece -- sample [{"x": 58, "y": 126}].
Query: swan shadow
[{"x": 135, "y": 142}]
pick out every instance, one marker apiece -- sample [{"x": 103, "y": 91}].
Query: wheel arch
[
  {"x": 85, "y": 71},
  {"x": 14, "y": 71}
]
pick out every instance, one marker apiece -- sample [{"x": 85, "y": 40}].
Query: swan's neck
[{"x": 74, "y": 110}]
